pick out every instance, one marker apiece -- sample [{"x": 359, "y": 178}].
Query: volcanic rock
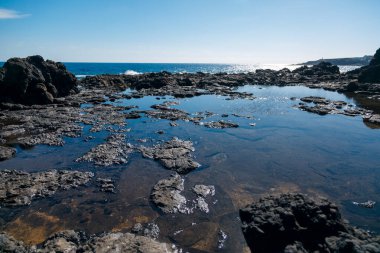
[
  {"x": 298, "y": 223},
  {"x": 114, "y": 151},
  {"x": 173, "y": 154},
  {"x": 371, "y": 73},
  {"x": 19, "y": 188},
  {"x": 166, "y": 195},
  {"x": 33, "y": 80},
  {"x": 6, "y": 153},
  {"x": 72, "y": 241}
]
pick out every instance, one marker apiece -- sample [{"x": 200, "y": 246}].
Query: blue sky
[{"x": 207, "y": 31}]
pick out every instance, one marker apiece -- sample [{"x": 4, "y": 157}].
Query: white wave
[{"x": 132, "y": 73}]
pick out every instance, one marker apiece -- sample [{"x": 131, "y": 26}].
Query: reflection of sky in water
[{"x": 288, "y": 149}]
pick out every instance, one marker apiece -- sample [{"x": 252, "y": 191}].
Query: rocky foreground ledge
[
  {"x": 298, "y": 223},
  {"x": 71, "y": 241}
]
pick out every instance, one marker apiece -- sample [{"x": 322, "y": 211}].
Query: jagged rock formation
[
  {"x": 33, "y": 80},
  {"x": 298, "y": 223}
]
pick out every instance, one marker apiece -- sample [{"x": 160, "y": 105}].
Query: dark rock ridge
[
  {"x": 174, "y": 154},
  {"x": 72, "y": 241},
  {"x": 33, "y": 80},
  {"x": 371, "y": 73},
  {"x": 353, "y": 61},
  {"x": 323, "y": 75},
  {"x": 298, "y": 223},
  {"x": 195, "y": 84},
  {"x": 18, "y": 188}
]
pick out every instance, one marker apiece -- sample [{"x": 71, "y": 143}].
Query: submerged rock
[
  {"x": 72, "y": 241},
  {"x": 150, "y": 230},
  {"x": 204, "y": 190},
  {"x": 201, "y": 204},
  {"x": 114, "y": 151},
  {"x": 174, "y": 155},
  {"x": 19, "y": 188},
  {"x": 51, "y": 139},
  {"x": 6, "y": 153},
  {"x": 106, "y": 184},
  {"x": 220, "y": 124},
  {"x": 297, "y": 223},
  {"x": 166, "y": 195},
  {"x": 367, "y": 204}
]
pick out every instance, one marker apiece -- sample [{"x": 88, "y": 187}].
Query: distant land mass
[{"x": 352, "y": 61}]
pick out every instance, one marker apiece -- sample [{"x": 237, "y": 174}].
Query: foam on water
[{"x": 132, "y": 73}]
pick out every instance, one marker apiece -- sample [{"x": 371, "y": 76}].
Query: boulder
[
  {"x": 371, "y": 73},
  {"x": 298, "y": 223},
  {"x": 33, "y": 80}
]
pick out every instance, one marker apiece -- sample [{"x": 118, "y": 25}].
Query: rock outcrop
[
  {"x": 166, "y": 195},
  {"x": 114, "y": 151},
  {"x": 174, "y": 154},
  {"x": 298, "y": 223},
  {"x": 33, "y": 80},
  {"x": 371, "y": 73}
]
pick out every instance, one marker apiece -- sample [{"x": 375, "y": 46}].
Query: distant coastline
[{"x": 349, "y": 61}]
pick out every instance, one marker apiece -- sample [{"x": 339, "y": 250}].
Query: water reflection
[{"x": 288, "y": 150}]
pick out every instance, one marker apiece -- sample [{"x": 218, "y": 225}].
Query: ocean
[{"x": 82, "y": 69}]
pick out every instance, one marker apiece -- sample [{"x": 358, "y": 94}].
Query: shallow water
[{"x": 288, "y": 150}]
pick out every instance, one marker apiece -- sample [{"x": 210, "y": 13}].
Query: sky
[{"x": 189, "y": 31}]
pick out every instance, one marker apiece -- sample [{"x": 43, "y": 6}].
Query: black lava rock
[
  {"x": 33, "y": 80},
  {"x": 298, "y": 223}
]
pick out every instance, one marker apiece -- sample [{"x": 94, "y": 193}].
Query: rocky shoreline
[{"x": 42, "y": 103}]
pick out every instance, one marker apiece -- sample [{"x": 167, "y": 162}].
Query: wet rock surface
[
  {"x": 19, "y": 188},
  {"x": 114, "y": 151},
  {"x": 204, "y": 190},
  {"x": 174, "y": 154},
  {"x": 150, "y": 230},
  {"x": 6, "y": 153},
  {"x": 323, "y": 106},
  {"x": 367, "y": 204},
  {"x": 166, "y": 195},
  {"x": 298, "y": 223},
  {"x": 33, "y": 80},
  {"x": 169, "y": 196},
  {"x": 220, "y": 124},
  {"x": 72, "y": 241}
]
